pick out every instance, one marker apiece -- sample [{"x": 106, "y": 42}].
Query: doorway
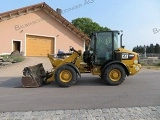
[{"x": 17, "y": 46}]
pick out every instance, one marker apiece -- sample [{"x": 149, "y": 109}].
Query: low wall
[{"x": 150, "y": 61}]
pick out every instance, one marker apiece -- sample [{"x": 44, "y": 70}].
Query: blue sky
[{"x": 137, "y": 18}]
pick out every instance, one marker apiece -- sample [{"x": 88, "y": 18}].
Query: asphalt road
[{"x": 90, "y": 92}]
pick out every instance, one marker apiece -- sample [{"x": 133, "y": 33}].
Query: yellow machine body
[
  {"x": 131, "y": 65},
  {"x": 113, "y": 68}
]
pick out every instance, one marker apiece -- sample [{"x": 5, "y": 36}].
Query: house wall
[{"x": 37, "y": 23}]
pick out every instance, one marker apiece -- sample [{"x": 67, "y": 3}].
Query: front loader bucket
[{"x": 33, "y": 76}]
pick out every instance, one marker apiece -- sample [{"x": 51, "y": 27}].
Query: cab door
[{"x": 102, "y": 46}]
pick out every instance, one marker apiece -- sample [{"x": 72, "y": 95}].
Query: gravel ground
[{"x": 15, "y": 70}]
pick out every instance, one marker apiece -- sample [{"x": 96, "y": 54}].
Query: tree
[
  {"x": 149, "y": 49},
  {"x": 138, "y": 49},
  {"x": 157, "y": 48},
  {"x": 87, "y": 26},
  {"x": 152, "y": 48}
]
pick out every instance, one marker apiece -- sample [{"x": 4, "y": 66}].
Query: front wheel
[
  {"x": 114, "y": 75},
  {"x": 65, "y": 76}
]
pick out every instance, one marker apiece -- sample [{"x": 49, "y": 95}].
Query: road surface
[{"x": 90, "y": 92}]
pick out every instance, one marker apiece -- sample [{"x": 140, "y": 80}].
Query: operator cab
[{"x": 102, "y": 46}]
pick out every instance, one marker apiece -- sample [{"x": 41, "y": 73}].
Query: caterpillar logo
[{"x": 127, "y": 56}]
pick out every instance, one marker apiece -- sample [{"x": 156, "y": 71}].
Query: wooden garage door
[{"x": 39, "y": 46}]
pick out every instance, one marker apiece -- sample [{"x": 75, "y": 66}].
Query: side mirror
[{"x": 93, "y": 35}]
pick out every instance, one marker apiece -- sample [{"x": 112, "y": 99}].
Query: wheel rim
[
  {"x": 115, "y": 75},
  {"x": 65, "y": 76}
]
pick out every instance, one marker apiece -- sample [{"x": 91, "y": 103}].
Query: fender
[
  {"x": 73, "y": 66},
  {"x": 114, "y": 62}
]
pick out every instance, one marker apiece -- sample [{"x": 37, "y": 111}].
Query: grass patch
[{"x": 14, "y": 59}]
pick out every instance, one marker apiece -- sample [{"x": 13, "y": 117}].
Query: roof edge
[{"x": 29, "y": 6}]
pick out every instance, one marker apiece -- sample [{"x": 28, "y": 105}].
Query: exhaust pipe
[{"x": 121, "y": 41}]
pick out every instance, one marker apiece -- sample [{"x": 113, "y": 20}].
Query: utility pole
[{"x": 145, "y": 51}]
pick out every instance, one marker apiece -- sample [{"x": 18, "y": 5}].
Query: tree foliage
[
  {"x": 149, "y": 49},
  {"x": 87, "y": 26}
]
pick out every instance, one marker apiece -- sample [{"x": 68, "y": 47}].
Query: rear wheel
[
  {"x": 114, "y": 75},
  {"x": 65, "y": 76}
]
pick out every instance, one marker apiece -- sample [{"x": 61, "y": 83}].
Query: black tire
[
  {"x": 114, "y": 75},
  {"x": 65, "y": 76}
]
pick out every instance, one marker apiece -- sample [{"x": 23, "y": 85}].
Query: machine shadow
[
  {"x": 83, "y": 81},
  {"x": 90, "y": 81},
  {"x": 15, "y": 82}
]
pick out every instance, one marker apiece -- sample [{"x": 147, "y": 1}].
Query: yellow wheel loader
[{"x": 103, "y": 58}]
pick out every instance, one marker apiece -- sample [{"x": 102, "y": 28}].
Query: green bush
[
  {"x": 17, "y": 59},
  {"x": 158, "y": 64}
]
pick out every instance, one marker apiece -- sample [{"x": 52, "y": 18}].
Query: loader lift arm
[{"x": 64, "y": 71}]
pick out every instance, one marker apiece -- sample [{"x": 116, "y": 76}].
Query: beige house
[{"x": 37, "y": 30}]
